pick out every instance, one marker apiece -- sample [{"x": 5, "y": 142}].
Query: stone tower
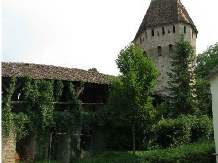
[{"x": 161, "y": 27}]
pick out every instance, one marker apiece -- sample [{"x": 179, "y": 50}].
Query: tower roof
[{"x": 162, "y": 12}]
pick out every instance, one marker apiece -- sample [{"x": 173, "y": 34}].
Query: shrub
[
  {"x": 200, "y": 152},
  {"x": 183, "y": 130}
]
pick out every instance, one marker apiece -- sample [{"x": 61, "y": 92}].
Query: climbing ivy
[
  {"x": 40, "y": 113},
  {"x": 7, "y": 116}
]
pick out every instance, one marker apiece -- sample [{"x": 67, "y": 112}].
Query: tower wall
[{"x": 158, "y": 45}]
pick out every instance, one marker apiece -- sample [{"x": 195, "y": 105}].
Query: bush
[
  {"x": 200, "y": 152},
  {"x": 183, "y": 130}
]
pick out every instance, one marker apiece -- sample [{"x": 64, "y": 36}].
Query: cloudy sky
[{"x": 86, "y": 33}]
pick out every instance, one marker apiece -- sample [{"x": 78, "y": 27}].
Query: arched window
[
  {"x": 145, "y": 53},
  {"x": 152, "y": 32},
  {"x": 163, "y": 31},
  {"x": 159, "y": 50},
  {"x": 174, "y": 29}
]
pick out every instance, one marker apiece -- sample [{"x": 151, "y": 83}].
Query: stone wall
[
  {"x": 8, "y": 147},
  {"x": 156, "y": 43}
]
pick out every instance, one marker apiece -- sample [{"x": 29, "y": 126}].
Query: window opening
[
  {"x": 163, "y": 31},
  {"x": 159, "y": 50},
  {"x": 170, "y": 49}
]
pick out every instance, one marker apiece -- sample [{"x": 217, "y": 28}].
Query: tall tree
[
  {"x": 205, "y": 64},
  {"x": 207, "y": 61},
  {"x": 130, "y": 98},
  {"x": 182, "y": 99}
]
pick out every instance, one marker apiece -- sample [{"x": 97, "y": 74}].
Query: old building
[
  {"x": 161, "y": 27},
  {"x": 213, "y": 78},
  {"x": 93, "y": 96}
]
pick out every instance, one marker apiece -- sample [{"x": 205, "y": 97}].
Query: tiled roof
[
  {"x": 162, "y": 12},
  {"x": 38, "y": 71},
  {"x": 213, "y": 72}
]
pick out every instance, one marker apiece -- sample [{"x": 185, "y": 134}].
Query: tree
[
  {"x": 207, "y": 61},
  {"x": 130, "y": 100},
  {"x": 205, "y": 64},
  {"x": 182, "y": 99},
  {"x": 93, "y": 69}
]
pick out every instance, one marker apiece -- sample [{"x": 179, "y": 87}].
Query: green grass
[{"x": 200, "y": 152}]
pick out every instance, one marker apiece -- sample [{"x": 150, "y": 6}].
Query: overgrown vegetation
[{"x": 199, "y": 152}]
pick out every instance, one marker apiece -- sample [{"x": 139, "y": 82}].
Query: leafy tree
[
  {"x": 181, "y": 79},
  {"x": 130, "y": 100},
  {"x": 205, "y": 64},
  {"x": 207, "y": 61},
  {"x": 93, "y": 69}
]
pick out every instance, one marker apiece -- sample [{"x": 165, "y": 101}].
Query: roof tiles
[
  {"x": 38, "y": 71},
  {"x": 162, "y": 12}
]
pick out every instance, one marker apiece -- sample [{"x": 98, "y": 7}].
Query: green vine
[
  {"x": 7, "y": 116},
  {"x": 41, "y": 113}
]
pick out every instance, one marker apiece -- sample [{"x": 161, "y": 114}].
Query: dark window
[
  {"x": 163, "y": 31},
  {"x": 152, "y": 32},
  {"x": 159, "y": 50},
  {"x": 184, "y": 29},
  {"x": 174, "y": 29},
  {"x": 170, "y": 49}
]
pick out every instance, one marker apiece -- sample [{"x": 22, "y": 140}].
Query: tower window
[
  {"x": 152, "y": 32},
  {"x": 159, "y": 50},
  {"x": 163, "y": 31},
  {"x": 174, "y": 29},
  {"x": 170, "y": 49},
  {"x": 184, "y": 29}
]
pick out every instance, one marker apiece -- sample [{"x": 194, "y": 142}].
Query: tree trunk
[{"x": 133, "y": 139}]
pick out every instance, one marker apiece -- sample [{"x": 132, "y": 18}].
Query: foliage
[
  {"x": 181, "y": 80},
  {"x": 204, "y": 100},
  {"x": 207, "y": 61},
  {"x": 197, "y": 152},
  {"x": 7, "y": 116},
  {"x": 182, "y": 130},
  {"x": 205, "y": 64},
  {"x": 130, "y": 101},
  {"x": 93, "y": 69}
]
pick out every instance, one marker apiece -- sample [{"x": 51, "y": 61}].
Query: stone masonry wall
[
  {"x": 8, "y": 147},
  {"x": 150, "y": 42}
]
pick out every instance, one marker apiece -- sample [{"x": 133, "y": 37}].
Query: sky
[{"x": 86, "y": 33}]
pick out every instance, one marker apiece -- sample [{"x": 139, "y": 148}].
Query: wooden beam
[{"x": 4, "y": 86}]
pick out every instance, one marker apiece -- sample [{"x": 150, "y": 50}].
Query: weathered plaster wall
[
  {"x": 163, "y": 37},
  {"x": 214, "y": 91},
  {"x": 8, "y": 147}
]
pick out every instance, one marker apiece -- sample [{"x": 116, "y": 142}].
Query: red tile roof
[
  {"x": 162, "y": 12},
  {"x": 38, "y": 71}
]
